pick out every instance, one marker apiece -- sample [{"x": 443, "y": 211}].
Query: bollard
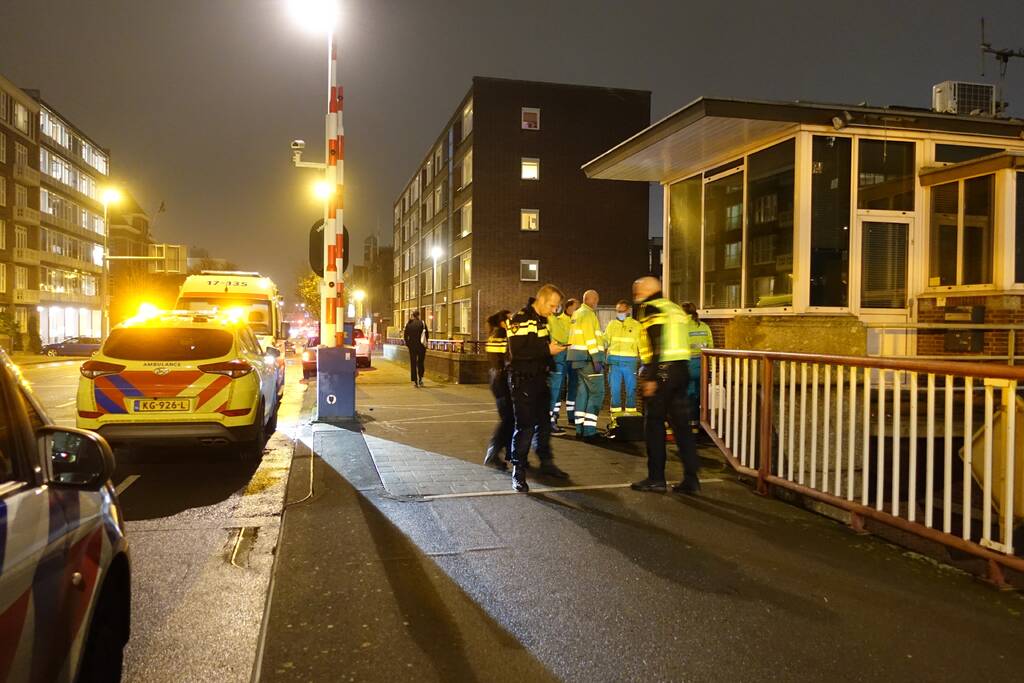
[{"x": 336, "y": 384}]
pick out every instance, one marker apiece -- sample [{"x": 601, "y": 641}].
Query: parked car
[
  {"x": 73, "y": 346},
  {"x": 182, "y": 377},
  {"x": 65, "y": 574},
  {"x": 309, "y": 354}
]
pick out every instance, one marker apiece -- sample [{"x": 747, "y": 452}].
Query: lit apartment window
[
  {"x": 529, "y": 219},
  {"x": 530, "y": 169},
  {"x": 3, "y": 148},
  {"x": 438, "y": 200},
  {"x": 20, "y": 277},
  {"x": 467, "y": 169},
  {"x": 5, "y": 106},
  {"x": 466, "y": 221},
  {"x": 530, "y": 118},
  {"x": 3, "y": 278},
  {"x": 20, "y": 154},
  {"x": 21, "y": 117},
  {"x": 467, "y": 120},
  {"x": 20, "y": 195},
  {"x": 3, "y": 234},
  {"x": 529, "y": 270},
  {"x": 3, "y": 191},
  {"x": 466, "y": 269}
]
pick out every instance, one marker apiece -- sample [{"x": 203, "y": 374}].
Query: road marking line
[
  {"x": 128, "y": 481},
  {"x": 536, "y": 489},
  {"x": 68, "y": 404}
]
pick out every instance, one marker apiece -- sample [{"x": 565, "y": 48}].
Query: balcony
[
  {"x": 25, "y": 175},
  {"x": 26, "y": 296},
  {"x": 26, "y": 256},
  {"x": 26, "y": 216},
  {"x": 68, "y": 262},
  {"x": 68, "y": 298}
]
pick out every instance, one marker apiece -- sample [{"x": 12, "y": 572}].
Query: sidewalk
[
  {"x": 431, "y": 441},
  {"x": 25, "y": 358},
  {"x": 402, "y": 558}
]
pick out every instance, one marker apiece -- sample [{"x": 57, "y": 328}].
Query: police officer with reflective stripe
[
  {"x": 664, "y": 377},
  {"x": 530, "y": 350},
  {"x": 497, "y": 354}
]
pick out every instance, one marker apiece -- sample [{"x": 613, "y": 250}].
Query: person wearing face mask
[
  {"x": 562, "y": 373},
  {"x": 623, "y": 339}
]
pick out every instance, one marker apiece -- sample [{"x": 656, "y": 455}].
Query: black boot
[
  {"x": 519, "y": 480},
  {"x": 690, "y": 486},
  {"x": 493, "y": 459}
]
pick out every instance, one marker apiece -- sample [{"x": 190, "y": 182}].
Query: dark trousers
[
  {"x": 501, "y": 439},
  {"x": 531, "y": 402},
  {"x": 417, "y": 356},
  {"x": 669, "y": 403}
]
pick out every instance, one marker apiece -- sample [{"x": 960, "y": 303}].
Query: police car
[
  {"x": 181, "y": 377},
  {"x": 65, "y": 586}
]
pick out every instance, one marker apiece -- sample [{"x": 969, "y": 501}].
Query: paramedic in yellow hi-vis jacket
[
  {"x": 622, "y": 344},
  {"x": 664, "y": 380},
  {"x": 586, "y": 355},
  {"x": 700, "y": 339}
]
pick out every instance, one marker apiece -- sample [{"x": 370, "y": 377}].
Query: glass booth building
[{"x": 838, "y": 229}]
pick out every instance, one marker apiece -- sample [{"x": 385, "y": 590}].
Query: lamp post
[
  {"x": 435, "y": 253},
  {"x": 111, "y": 195},
  {"x": 318, "y": 15}
]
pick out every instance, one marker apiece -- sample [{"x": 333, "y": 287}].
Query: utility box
[
  {"x": 964, "y": 341},
  {"x": 336, "y": 384}
]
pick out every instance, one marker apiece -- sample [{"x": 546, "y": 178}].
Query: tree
[
  {"x": 308, "y": 291},
  {"x": 35, "y": 343}
]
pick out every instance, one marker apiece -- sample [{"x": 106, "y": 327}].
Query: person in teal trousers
[{"x": 700, "y": 338}]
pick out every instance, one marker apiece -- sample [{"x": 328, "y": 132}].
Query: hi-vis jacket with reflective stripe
[
  {"x": 528, "y": 341},
  {"x": 497, "y": 348},
  {"x": 666, "y": 340},
  {"x": 585, "y": 342},
  {"x": 700, "y": 337},
  {"x": 623, "y": 338},
  {"x": 558, "y": 325}
]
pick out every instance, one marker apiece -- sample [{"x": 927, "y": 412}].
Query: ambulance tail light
[
  {"x": 233, "y": 368},
  {"x": 91, "y": 369}
]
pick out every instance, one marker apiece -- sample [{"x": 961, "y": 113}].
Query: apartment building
[
  {"x": 19, "y": 208},
  {"x": 71, "y": 229},
  {"x": 499, "y": 205}
]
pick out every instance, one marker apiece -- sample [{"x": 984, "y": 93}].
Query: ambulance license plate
[{"x": 162, "y": 405}]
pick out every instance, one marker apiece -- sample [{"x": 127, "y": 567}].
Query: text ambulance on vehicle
[
  {"x": 181, "y": 377},
  {"x": 245, "y": 295}
]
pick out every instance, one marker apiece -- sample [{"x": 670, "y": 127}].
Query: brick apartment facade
[
  {"x": 19, "y": 209},
  {"x": 501, "y": 196}
]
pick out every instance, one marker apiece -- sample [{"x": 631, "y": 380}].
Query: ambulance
[{"x": 246, "y": 295}]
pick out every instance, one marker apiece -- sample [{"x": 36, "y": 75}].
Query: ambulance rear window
[{"x": 153, "y": 343}]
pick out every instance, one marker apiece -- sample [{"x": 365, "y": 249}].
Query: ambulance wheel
[{"x": 253, "y": 450}]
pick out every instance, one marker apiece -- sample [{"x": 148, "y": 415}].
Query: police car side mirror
[{"x": 78, "y": 459}]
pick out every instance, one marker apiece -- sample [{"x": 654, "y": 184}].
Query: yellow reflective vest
[
  {"x": 672, "y": 324},
  {"x": 700, "y": 337},
  {"x": 558, "y": 327},
  {"x": 622, "y": 338},
  {"x": 585, "y": 340}
]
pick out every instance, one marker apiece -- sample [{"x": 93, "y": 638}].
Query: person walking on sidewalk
[
  {"x": 497, "y": 354},
  {"x": 700, "y": 339},
  {"x": 558, "y": 325},
  {"x": 664, "y": 380},
  {"x": 415, "y": 336},
  {"x": 623, "y": 343},
  {"x": 586, "y": 355},
  {"x": 530, "y": 351}
]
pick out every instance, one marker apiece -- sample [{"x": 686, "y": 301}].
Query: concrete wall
[
  {"x": 835, "y": 334},
  {"x": 458, "y": 368}
]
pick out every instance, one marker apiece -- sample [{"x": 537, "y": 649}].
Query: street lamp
[
  {"x": 435, "y": 253},
  {"x": 320, "y": 16},
  {"x": 110, "y": 195},
  {"x": 360, "y": 296}
]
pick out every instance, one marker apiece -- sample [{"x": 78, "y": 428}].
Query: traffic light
[{"x": 316, "y": 248}]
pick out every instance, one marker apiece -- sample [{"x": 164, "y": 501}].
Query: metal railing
[
  {"x": 1012, "y": 330},
  {"x": 465, "y": 346},
  {"x": 929, "y": 447}
]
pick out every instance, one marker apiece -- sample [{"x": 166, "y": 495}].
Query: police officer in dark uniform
[
  {"x": 497, "y": 354},
  {"x": 530, "y": 350},
  {"x": 664, "y": 380}
]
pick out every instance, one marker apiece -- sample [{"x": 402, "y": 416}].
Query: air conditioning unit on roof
[{"x": 965, "y": 99}]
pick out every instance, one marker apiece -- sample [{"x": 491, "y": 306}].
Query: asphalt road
[{"x": 202, "y": 527}]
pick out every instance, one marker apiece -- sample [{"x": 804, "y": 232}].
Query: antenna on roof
[{"x": 1003, "y": 56}]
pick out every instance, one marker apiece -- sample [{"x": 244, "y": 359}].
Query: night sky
[{"x": 198, "y": 100}]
